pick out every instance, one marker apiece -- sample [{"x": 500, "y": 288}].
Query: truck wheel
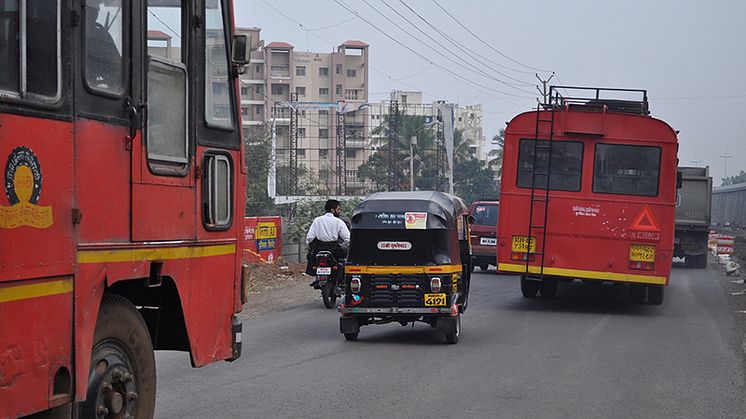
[
  {"x": 452, "y": 338},
  {"x": 122, "y": 378},
  {"x": 484, "y": 266},
  {"x": 655, "y": 294},
  {"x": 548, "y": 288},
  {"x": 351, "y": 336},
  {"x": 328, "y": 295},
  {"x": 637, "y": 293},
  {"x": 529, "y": 289}
]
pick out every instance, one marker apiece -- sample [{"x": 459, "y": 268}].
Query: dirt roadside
[{"x": 277, "y": 287}]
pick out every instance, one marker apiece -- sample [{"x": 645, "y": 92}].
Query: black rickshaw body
[{"x": 409, "y": 260}]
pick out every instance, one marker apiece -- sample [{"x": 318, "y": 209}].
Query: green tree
[
  {"x": 258, "y": 146},
  {"x": 732, "y": 180},
  {"x": 473, "y": 181},
  {"x": 495, "y": 155}
]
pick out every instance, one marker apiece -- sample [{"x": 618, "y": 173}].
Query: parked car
[{"x": 484, "y": 233}]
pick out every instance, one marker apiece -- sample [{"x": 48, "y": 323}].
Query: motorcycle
[{"x": 329, "y": 277}]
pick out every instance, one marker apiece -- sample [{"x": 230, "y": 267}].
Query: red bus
[
  {"x": 588, "y": 192},
  {"x": 121, "y": 222}
]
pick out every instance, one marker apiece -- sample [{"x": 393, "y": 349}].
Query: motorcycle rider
[{"x": 327, "y": 232}]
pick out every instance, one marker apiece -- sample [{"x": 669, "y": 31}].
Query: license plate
[
  {"x": 521, "y": 244},
  {"x": 488, "y": 241},
  {"x": 642, "y": 253},
  {"x": 323, "y": 271},
  {"x": 435, "y": 300}
]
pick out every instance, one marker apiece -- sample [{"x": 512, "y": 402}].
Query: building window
[
  {"x": 351, "y": 72},
  {"x": 338, "y": 90},
  {"x": 301, "y": 133},
  {"x": 323, "y": 112},
  {"x": 301, "y": 152},
  {"x": 323, "y": 154},
  {"x": 300, "y": 71},
  {"x": 350, "y": 153},
  {"x": 244, "y": 111},
  {"x": 323, "y": 72},
  {"x": 258, "y": 109},
  {"x": 339, "y": 69},
  {"x": 277, "y": 89},
  {"x": 257, "y": 69},
  {"x": 300, "y": 90},
  {"x": 258, "y": 89},
  {"x": 323, "y": 133},
  {"x": 403, "y": 98},
  {"x": 323, "y": 91},
  {"x": 244, "y": 90},
  {"x": 351, "y": 94}
]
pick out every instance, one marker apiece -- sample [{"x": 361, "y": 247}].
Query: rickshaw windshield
[{"x": 399, "y": 247}]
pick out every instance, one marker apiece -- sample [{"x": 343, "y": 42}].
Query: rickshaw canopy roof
[{"x": 408, "y": 210}]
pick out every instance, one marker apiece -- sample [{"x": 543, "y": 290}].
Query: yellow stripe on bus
[
  {"x": 167, "y": 253},
  {"x": 38, "y": 289},
  {"x": 578, "y": 273},
  {"x": 407, "y": 270}
]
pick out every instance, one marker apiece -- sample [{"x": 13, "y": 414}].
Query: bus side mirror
[
  {"x": 471, "y": 219},
  {"x": 679, "y": 180},
  {"x": 241, "y": 53}
]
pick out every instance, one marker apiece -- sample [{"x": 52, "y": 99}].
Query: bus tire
[
  {"x": 548, "y": 288},
  {"x": 529, "y": 289},
  {"x": 637, "y": 293},
  {"x": 122, "y": 377},
  {"x": 655, "y": 294}
]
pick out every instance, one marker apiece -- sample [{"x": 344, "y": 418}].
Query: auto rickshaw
[{"x": 409, "y": 260}]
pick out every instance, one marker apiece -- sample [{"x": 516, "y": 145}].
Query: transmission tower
[
  {"x": 393, "y": 146},
  {"x": 341, "y": 155}
]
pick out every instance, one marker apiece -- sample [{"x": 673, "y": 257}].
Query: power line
[
  {"x": 298, "y": 23},
  {"x": 445, "y": 69},
  {"x": 466, "y": 65},
  {"x": 471, "y": 53},
  {"x": 332, "y": 25},
  {"x": 485, "y": 42}
]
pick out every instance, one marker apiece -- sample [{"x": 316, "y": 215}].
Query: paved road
[{"x": 588, "y": 353}]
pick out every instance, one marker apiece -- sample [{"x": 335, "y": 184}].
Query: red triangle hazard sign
[{"x": 645, "y": 221}]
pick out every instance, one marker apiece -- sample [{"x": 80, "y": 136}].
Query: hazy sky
[{"x": 690, "y": 56}]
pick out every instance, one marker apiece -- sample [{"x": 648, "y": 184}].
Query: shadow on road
[
  {"x": 578, "y": 297},
  {"x": 394, "y": 333}
]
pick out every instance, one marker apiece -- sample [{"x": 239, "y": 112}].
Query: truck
[
  {"x": 121, "y": 218},
  {"x": 693, "y": 204}
]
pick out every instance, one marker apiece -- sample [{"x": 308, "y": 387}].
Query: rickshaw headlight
[
  {"x": 435, "y": 284},
  {"x": 355, "y": 284}
]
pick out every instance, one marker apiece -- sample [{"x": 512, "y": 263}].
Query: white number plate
[
  {"x": 488, "y": 241},
  {"x": 323, "y": 271}
]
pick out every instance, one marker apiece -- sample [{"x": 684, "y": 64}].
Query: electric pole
[
  {"x": 543, "y": 91},
  {"x": 725, "y": 158}
]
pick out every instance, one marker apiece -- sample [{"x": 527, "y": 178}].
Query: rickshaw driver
[{"x": 328, "y": 232}]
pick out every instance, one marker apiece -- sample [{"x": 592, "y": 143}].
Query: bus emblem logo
[
  {"x": 645, "y": 221},
  {"x": 23, "y": 182}
]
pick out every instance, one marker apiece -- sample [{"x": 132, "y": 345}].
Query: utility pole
[
  {"x": 543, "y": 91},
  {"x": 412, "y": 143},
  {"x": 725, "y": 158}
]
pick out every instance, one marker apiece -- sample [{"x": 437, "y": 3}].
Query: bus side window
[
  {"x": 104, "y": 63},
  {"x": 167, "y": 135},
  {"x": 218, "y": 109},
  {"x": 36, "y": 72}
]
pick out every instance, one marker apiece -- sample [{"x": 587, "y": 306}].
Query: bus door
[{"x": 164, "y": 172}]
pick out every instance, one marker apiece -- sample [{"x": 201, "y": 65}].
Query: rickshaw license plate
[
  {"x": 323, "y": 271},
  {"x": 435, "y": 300},
  {"x": 642, "y": 253},
  {"x": 521, "y": 244}
]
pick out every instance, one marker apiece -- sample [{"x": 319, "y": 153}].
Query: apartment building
[
  {"x": 328, "y": 92},
  {"x": 466, "y": 118}
]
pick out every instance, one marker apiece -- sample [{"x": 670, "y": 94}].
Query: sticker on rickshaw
[
  {"x": 415, "y": 220},
  {"x": 390, "y": 245},
  {"x": 432, "y": 300}
]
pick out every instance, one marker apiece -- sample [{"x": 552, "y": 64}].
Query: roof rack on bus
[{"x": 596, "y": 98}]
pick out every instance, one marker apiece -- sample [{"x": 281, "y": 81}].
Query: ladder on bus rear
[{"x": 538, "y": 217}]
